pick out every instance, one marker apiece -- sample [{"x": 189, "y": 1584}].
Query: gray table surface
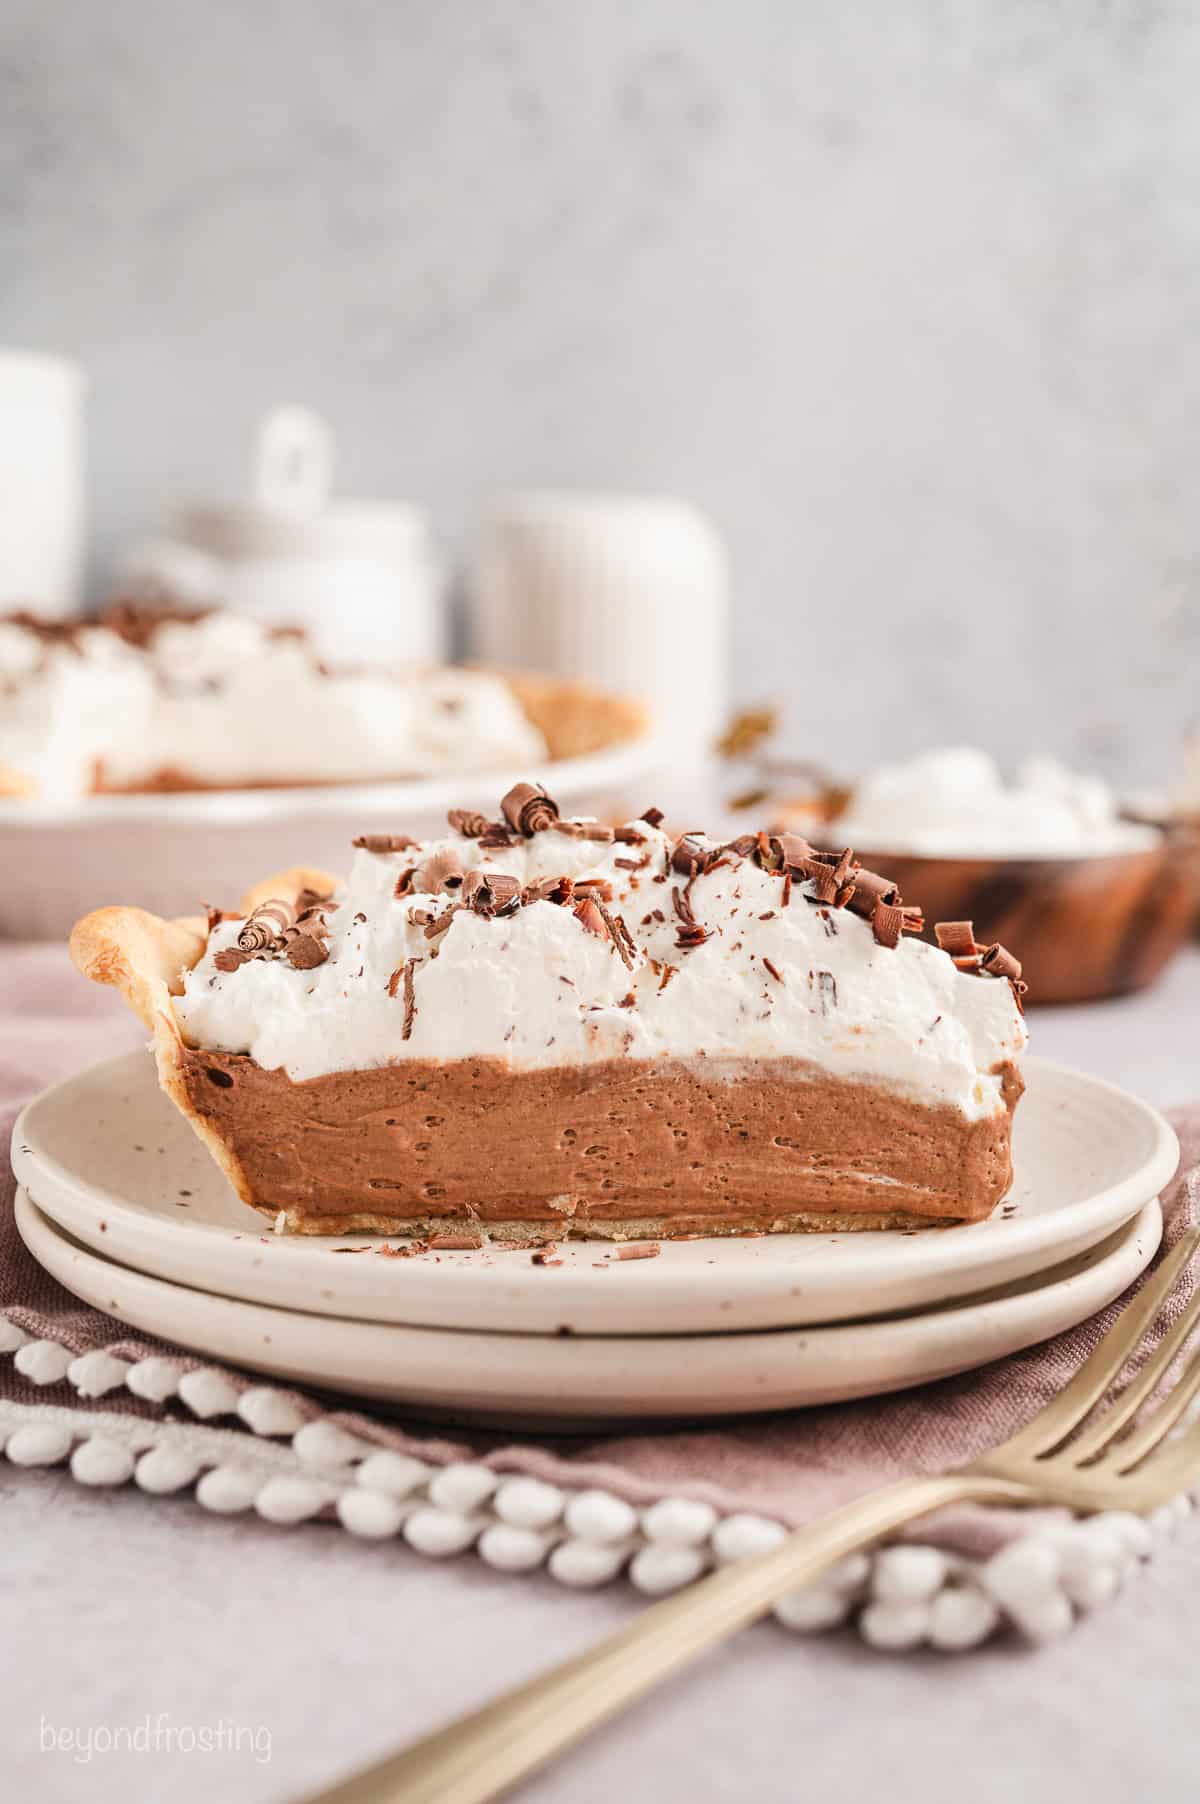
[{"x": 117, "y": 1610}]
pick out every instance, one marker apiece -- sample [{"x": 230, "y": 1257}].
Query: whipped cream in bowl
[
  {"x": 1097, "y": 901},
  {"x": 955, "y": 803}
]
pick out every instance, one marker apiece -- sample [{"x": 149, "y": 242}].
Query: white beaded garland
[
  {"x": 326, "y": 1444},
  {"x": 583, "y": 1564},
  {"x": 208, "y": 1392},
  {"x": 679, "y": 1522},
  {"x": 598, "y": 1516},
  {"x": 290, "y": 1500},
  {"x": 916, "y": 1594},
  {"x": 101, "y": 1461},
  {"x": 440, "y": 1532},
  {"x": 164, "y": 1469},
  {"x": 269, "y": 1412},
  {"x": 38, "y": 1444},
  {"x": 811, "y": 1608},
  {"x": 373, "y": 1514},
  {"x": 850, "y": 1574},
  {"x": 462, "y": 1487},
  {"x": 396, "y": 1473},
  {"x": 737, "y": 1537},
  {"x": 1023, "y": 1573},
  {"x": 659, "y": 1567},
  {"x": 1043, "y": 1618},
  {"x": 512, "y": 1549},
  {"x": 95, "y": 1374},
  {"x": 43, "y": 1361},
  {"x": 528, "y": 1503},
  {"x": 155, "y": 1379},
  {"x": 907, "y": 1575},
  {"x": 1091, "y": 1583},
  {"x": 1131, "y": 1532},
  {"x": 227, "y": 1490},
  {"x": 961, "y": 1616},
  {"x": 893, "y": 1627}
]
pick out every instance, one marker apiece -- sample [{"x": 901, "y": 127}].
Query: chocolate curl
[
  {"x": 794, "y": 850},
  {"x": 590, "y": 916},
  {"x": 470, "y": 823},
  {"x": 744, "y": 846},
  {"x": 767, "y": 852},
  {"x": 832, "y": 877},
  {"x": 958, "y": 939},
  {"x": 619, "y": 934},
  {"x": 230, "y": 959},
  {"x": 870, "y": 889},
  {"x": 891, "y": 919},
  {"x": 442, "y": 871},
  {"x": 629, "y": 836},
  {"x": 528, "y": 809},
  {"x": 594, "y": 886},
  {"x": 384, "y": 842},
  {"x": 491, "y": 892},
  {"x": 410, "y": 1001},
  {"x": 438, "y": 926},
  {"x": 262, "y": 929},
  {"x": 687, "y": 857},
  {"x": 305, "y": 951},
  {"x": 549, "y": 889},
  {"x": 998, "y": 961},
  {"x": 653, "y": 817}
]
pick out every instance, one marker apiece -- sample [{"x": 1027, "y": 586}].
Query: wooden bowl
[{"x": 1082, "y": 928}]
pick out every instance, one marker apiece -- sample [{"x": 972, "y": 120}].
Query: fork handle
[{"x": 482, "y": 1754}]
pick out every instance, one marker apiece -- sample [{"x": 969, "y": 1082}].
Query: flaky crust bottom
[{"x": 648, "y": 1227}]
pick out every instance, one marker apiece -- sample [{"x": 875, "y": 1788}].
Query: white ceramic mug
[
  {"x": 630, "y": 592},
  {"x": 41, "y": 482}
]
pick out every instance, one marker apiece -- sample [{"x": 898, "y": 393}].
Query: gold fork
[{"x": 1100, "y": 1467}]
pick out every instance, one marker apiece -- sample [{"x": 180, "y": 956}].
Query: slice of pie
[{"x": 545, "y": 1026}]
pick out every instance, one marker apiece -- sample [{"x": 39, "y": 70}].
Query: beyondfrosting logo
[{"x": 155, "y": 1735}]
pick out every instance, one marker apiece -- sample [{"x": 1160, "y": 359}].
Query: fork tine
[
  {"x": 1130, "y": 1451},
  {"x": 1101, "y": 1433},
  {"x": 1054, "y": 1423},
  {"x": 1171, "y": 1469}
]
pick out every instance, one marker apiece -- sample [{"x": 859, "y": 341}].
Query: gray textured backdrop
[{"x": 906, "y": 294}]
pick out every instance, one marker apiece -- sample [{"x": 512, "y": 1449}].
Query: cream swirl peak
[
  {"x": 543, "y": 943},
  {"x": 147, "y": 699}
]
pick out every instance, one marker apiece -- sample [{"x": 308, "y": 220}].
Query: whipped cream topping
[
  {"x": 954, "y": 803},
  {"x": 773, "y": 975},
  {"x": 223, "y": 700}
]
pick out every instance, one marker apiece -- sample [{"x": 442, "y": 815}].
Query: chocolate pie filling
[{"x": 612, "y": 1149}]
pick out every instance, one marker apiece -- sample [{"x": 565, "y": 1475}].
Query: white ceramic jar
[
  {"x": 630, "y": 592},
  {"x": 361, "y": 576},
  {"x": 41, "y": 482}
]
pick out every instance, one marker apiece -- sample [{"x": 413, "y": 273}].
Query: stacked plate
[{"x": 121, "y": 1203}]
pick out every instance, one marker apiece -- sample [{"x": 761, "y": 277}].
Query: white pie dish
[
  {"x": 171, "y": 853},
  {"x": 579, "y": 1381},
  {"x": 109, "y": 1157}
]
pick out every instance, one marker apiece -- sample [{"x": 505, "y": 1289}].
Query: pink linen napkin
[{"x": 791, "y": 1466}]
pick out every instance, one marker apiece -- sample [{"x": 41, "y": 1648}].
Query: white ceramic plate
[
  {"x": 172, "y": 853},
  {"x": 523, "y": 1377},
  {"x": 112, "y": 1160}
]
